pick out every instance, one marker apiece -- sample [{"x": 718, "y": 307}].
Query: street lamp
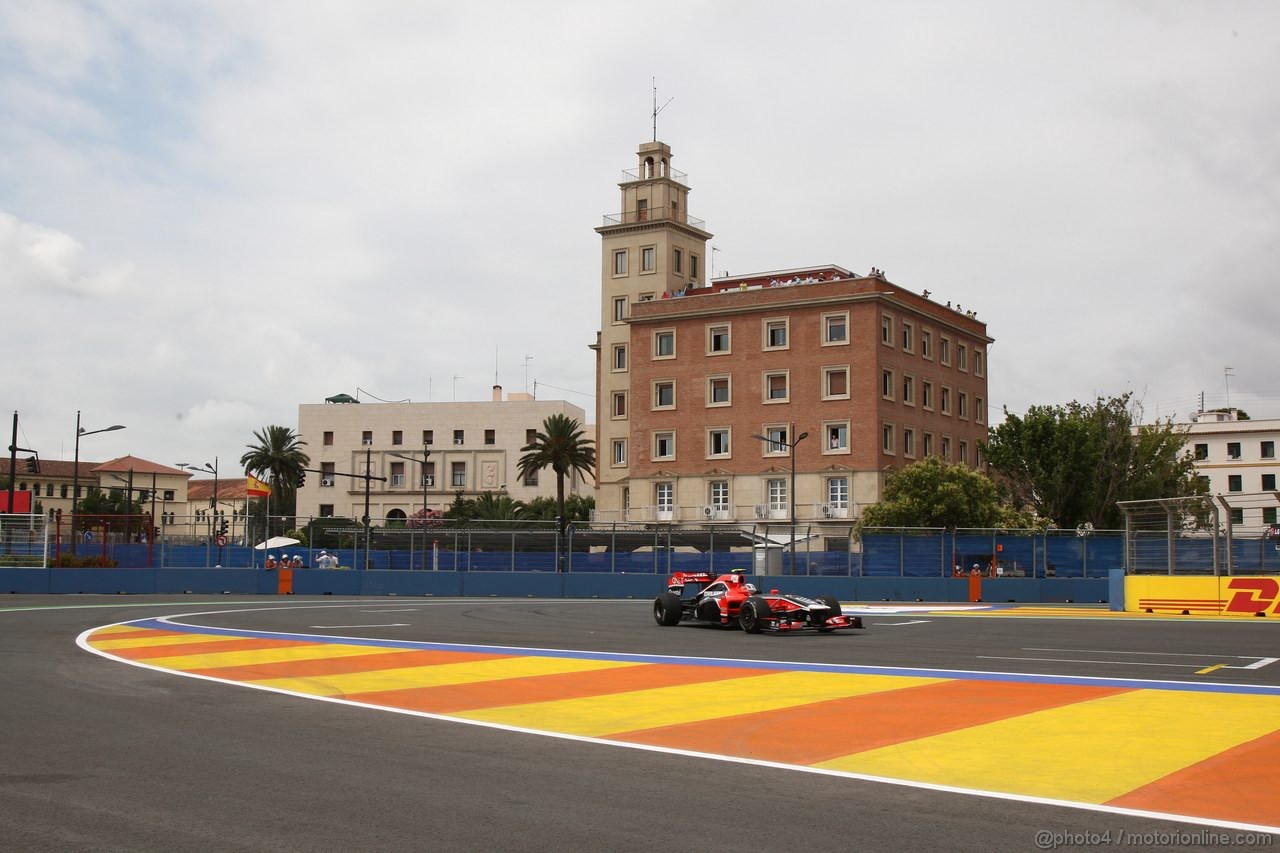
[
  {"x": 791, "y": 448},
  {"x": 426, "y": 454},
  {"x": 75, "y": 473},
  {"x": 213, "y": 519}
]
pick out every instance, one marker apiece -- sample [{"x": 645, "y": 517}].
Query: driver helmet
[{"x": 750, "y": 588}]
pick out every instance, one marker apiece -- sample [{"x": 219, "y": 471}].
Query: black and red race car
[{"x": 731, "y": 600}]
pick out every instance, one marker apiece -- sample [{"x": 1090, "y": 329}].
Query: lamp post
[
  {"x": 791, "y": 448},
  {"x": 75, "y": 473},
  {"x": 213, "y": 502},
  {"x": 426, "y": 454}
]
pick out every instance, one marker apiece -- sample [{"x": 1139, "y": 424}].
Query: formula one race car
[{"x": 731, "y": 600}]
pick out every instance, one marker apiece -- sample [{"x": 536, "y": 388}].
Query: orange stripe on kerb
[
  {"x": 1238, "y": 784},
  {"x": 197, "y": 647},
  {"x": 549, "y": 688},
  {"x": 807, "y": 734}
]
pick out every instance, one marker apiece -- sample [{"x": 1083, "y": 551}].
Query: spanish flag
[{"x": 255, "y": 488}]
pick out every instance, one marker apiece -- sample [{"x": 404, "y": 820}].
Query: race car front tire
[
  {"x": 667, "y": 609},
  {"x": 833, "y": 609},
  {"x": 755, "y": 610}
]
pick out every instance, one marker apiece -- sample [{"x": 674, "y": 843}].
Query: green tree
[
  {"x": 563, "y": 447},
  {"x": 1072, "y": 463},
  {"x": 491, "y": 507},
  {"x": 936, "y": 493},
  {"x": 576, "y": 508},
  {"x": 279, "y": 458}
]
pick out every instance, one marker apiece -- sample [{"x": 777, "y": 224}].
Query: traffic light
[
  {"x": 155, "y": 533},
  {"x": 302, "y": 478},
  {"x": 223, "y": 528},
  {"x": 33, "y": 465}
]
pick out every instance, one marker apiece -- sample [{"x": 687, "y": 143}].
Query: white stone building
[{"x": 1238, "y": 458}]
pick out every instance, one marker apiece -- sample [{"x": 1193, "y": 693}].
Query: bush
[{"x": 68, "y": 561}]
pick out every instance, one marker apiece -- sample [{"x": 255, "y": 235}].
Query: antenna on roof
[
  {"x": 527, "y": 359},
  {"x": 657, "y": 109},
  {"x": 1226, "y": 378}
]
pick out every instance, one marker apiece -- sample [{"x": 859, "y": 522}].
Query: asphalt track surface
[{"x": 101, "y": 755}]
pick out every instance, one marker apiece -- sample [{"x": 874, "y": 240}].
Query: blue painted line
[{"x": 781, "y": 666}]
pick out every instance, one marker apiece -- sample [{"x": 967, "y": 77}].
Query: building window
[
  {"x": 619, "y": 309},
  {"x": 459, "y": 436},
  {"x": 693, "y": 267},
  {"x": 428, "y": 437},
  {"x": 926, "y": 344},
  {"x": 326, "y": 474},
  {"x": 664, "y": 344},
  {"x": 835, "y": 329},
  {"x": 664, "y": 445},
  {"x": 977, "y": 362},
  {"x": 717, "y": 339},
  {"x": 926, "y": 395},
  {"x": 1202, "y": 451},
  {"x": 664, "y": 394},
  {"x": 1235, "y": 483},
  {"x": 366, "y": 437},
  {"x": 1268, "y": 482},
  {"x": 908, "y": 442},
  {"x": 720, "y": 495},
  {"x": 908, "y": 389},
  {"x": 928, "y": 444},
  {"x": 1267, "y": 450},
  {"x": 664, "y": 495},
  {"x": 886, "y": 330},
  {"x": 718, "y": 391},
  {"x": 459, "y": 476},
  {"x": 944, "y": 350},
  {"x": 490, "y": 437},
  {"x": 886, "y": 384},
  {"x": 619, "y": 452},
  {"x": 908, "y": 337},
  {"x": 326, "y": 510},
  {"x": 397, "y": 436},
  {"x": 776, "y": 334},
  {"x": 718, "y": 442},
  {"x": 619, "y": 404},
  {"x": 962, "y": 357},
  {"x": 777, "y": 443},
  {"x": 531, "y": 478},
  {"x": 946, "y": 447},
  {"x": 1233, "y": 450},
  {"x": 1237, "y": 516},
  {"x": 777, "y": 490},
  {"x": 979, "y": 410},
  {"x": 946, "y": 400},
  {"x": 648, "y": 256},
  {"x": 620, "y": 262},
  {"x": 886, "y": 438},
  {"x": 837, "y": 437},
  {"x": 962, "y": 452},
  {"x": 328, "y": 438},
  {"x": 962, "y": 404},
  {"x": 620, "y": 357},
  {"x": 775, "y": 387},
  {"x": 838, "y": 492},
  {"x": 1269, "y": 515},
  {"x": 677, "y": 262},
  {"x": 397, "y": 473},
  {"x": 835, "y": 383}
]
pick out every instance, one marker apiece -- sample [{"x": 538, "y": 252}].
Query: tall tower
[{"x": 652, "y": 249}]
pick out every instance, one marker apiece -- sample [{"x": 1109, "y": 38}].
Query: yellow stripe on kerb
[
  {"x": 436, "y": 676},
  {"x": 150, "y": 641},
  {"x": 1087, "y": 752},
  {"x": 597, "y": 716}
]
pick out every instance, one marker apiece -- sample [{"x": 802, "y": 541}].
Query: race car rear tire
[
  {"x": 667, "y": 609},
  {"x": 755, "y": 610},
  {"x": 833, "y": 608}
]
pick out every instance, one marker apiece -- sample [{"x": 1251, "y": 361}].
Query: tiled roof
[
  {"x": 50, "y": 468},
  {"x": 138, "y": 466},
  {"x": 228, "y": 490}
]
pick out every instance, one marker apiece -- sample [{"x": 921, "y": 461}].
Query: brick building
[{"x": 704, "y": 387}]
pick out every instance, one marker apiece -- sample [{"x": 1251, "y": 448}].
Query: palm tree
[
  {"x": 491, "y": 507},
  {"x": 562, "y": 446},
  {"x": 279, "y": 453}
]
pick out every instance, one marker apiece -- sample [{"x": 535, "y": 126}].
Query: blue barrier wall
[{"x": 508, "y": 584}]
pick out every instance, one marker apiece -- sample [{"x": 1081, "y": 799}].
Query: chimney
[{"x": 497, "y": 393}]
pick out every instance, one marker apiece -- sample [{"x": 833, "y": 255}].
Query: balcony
[{"x": 653, "y": 214}]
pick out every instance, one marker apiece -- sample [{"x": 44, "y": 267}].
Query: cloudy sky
[{"x": 212, "y": 212}]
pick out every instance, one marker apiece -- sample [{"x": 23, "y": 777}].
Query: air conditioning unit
[
  {"x": 367, "y": 442},
  {"x": 762, "y": 511},
  {"x": 827, "y": 510},
  {"x": 457, "y": 441},
  {"x": 429, "y": 480},
  {"x": 707, "y": 511},
  {"x": 326, "y": 481}
]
